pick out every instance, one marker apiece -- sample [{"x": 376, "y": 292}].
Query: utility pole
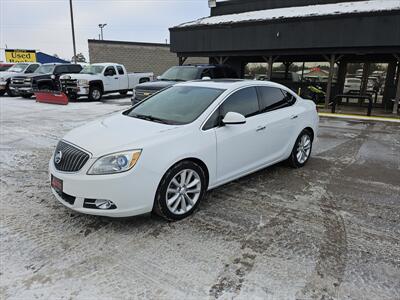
[{"x": 73, "y": 29}]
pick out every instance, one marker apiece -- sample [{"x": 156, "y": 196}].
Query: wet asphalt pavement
[{"x": 330, "y": 230}]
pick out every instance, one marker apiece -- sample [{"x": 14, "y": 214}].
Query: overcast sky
[{"x": 45, "y": 24}]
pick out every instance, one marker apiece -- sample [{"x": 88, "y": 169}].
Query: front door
[{"x": 239, "y": 147}]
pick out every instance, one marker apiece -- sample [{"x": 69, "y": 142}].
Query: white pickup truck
[{"x": 95, "y": 80}]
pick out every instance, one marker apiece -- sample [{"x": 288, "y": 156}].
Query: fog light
[{"x": 103, "y": 204}]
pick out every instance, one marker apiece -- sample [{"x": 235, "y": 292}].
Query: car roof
[{"x": 229, "y": 84}]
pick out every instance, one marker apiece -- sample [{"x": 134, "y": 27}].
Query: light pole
[
  {"x": 73, "y": 29},
  {"x": 101, "y": 26}
]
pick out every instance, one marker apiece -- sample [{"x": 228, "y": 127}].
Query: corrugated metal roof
[{"x": 298, "y": 12}]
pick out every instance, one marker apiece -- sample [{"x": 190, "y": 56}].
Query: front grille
[
  {"x": 17, "y": 81},
  {"x": 143, "y": 94},
  {"x": 68, "y": 158},
  {"x": 68, "y": 83}
]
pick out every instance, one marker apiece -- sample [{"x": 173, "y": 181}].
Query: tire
[
  {"x": 123, "y": 93},
  {"x": 26, "y": 96},
  {"x": 95, "y": 93},
  {"x": 10, "y": 93},
  {"x": 302, "y": 150},
  {"x": 2, "y": 92},
  {"x": 174, "y": 186}
]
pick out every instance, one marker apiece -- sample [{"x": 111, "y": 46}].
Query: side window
[
  {"x": 74, "y": 68},
  {"x": 31, "y": 68},
  {"x": 244, "y": 101},
  {"x": 272, "y": 98},
  {"x": 289, "y": 98},
  {"x": 110, "y": 71},
  {"x": 120, "y": 70},
  {"x": 213, "y": 121},
  {"x": 61, "y": 70}
]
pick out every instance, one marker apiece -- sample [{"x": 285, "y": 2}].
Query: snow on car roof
[{"x": 298, "y": 12}]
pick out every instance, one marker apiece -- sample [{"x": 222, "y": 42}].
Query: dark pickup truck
[
  {"x": 44, "y": 78},
  {"x": 179, "y": 74}
]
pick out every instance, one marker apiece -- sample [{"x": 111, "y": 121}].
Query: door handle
[
  {"x": 115, "y": 77},
  {"x": 294, "y": 117},
  {"x": 261, "y": 128}
]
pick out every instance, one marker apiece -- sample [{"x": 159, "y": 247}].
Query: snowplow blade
[{"x": 52, "y": 97}]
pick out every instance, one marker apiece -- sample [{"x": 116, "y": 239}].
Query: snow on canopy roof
[{"x": 299, "y": 12}]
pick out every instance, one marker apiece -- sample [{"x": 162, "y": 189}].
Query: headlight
[
  {"x": 83, "y": 82},
  {"x": 115, "y": 163}
]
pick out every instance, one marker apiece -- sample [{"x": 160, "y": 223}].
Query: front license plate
[{"x": 56, "y": 184}]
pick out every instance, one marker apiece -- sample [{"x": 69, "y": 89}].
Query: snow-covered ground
[{"x": 327, "y": 231}]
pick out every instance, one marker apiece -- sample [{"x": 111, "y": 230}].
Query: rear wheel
[
  {"x": 180, "y": 191},
  {"x": 302, "y": 150},
  {"x": 95, "y": 93}
]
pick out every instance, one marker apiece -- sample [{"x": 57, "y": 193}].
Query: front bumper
[
  {"x": 21, "y": 89},
  {"x": 132, "y": 192},
  {"x": 76, "y": 90}
]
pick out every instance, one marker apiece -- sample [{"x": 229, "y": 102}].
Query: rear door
[
  {"x": 281, "y": 118},
  {"x": 123, "y": 79}
]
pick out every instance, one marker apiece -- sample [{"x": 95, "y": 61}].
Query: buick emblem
[{"x": 58, "y": 157}]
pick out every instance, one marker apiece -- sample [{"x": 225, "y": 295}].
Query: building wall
[{"x": 137, "y": 57}]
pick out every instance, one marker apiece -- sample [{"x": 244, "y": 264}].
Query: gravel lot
[{"x": 328, "y": 231}]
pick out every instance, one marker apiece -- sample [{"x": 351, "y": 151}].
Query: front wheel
[
  {"x": 95, "y": 93},
  {"x": 180, "y": 191},
  {"x": 302, "y": 150},
  {"x": 123, "y": 93}
]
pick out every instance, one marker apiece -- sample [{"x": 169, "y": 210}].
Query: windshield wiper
[{"x": 151, "y": 118}]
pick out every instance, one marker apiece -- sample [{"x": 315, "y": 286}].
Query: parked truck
[
  {"x": 46, "y": 77},
  {"x": 95, "y": 80},
  {"x": 179, "y": 74},
  {"x": 17, "y": 69}
]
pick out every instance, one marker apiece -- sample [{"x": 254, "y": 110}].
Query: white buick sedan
[{"x": 165, "y": 152}]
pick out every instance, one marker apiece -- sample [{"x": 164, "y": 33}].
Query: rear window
[{"x": 120, "y": 70}]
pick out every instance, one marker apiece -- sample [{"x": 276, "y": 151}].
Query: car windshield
[
  {"x": 45, "y": 69},
  {"x": 18, "y": 68},
  {"x": 176, "y": 105},
  {"x": 180, "y": 74},
  {"x": 92, "y": 69}
]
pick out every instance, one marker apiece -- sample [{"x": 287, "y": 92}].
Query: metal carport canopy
[{"x": 362, "y": 27}]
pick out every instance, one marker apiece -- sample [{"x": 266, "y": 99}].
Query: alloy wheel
[
  {"x": 303, "y": 149},
  {"x": 183, "y": 191}
]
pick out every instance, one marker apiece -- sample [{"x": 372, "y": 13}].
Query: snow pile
[{"x": 299, "y": 12}]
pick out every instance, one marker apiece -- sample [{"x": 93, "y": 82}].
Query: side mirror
[
  {"x": 233, "y": 118},
  {"x": 53, "y": 76},
  {"x": 158, "y": 77}
]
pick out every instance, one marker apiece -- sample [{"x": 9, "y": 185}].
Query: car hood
[
  {"x": 9, "y": 74},
  {"x": 34, "y": 76},
  {"x": 117, "y": 133},
  {"x": 155, "y": 85},
  {"x": 81, "y": 76}
]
